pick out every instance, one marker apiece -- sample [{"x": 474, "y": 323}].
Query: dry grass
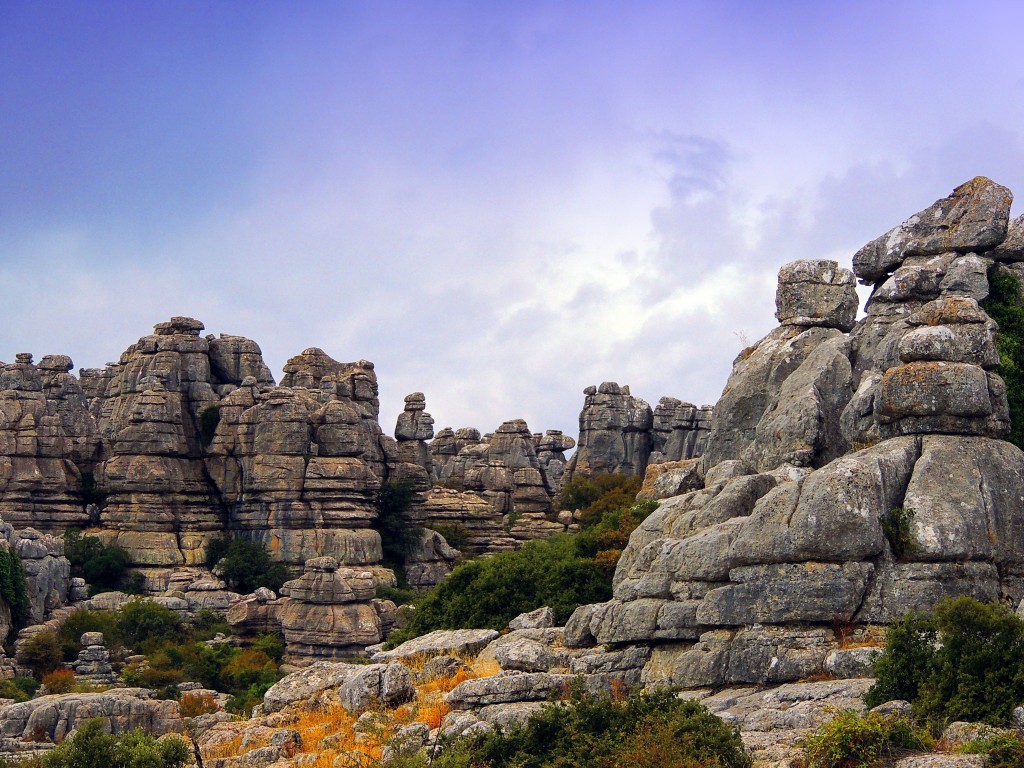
[{"x": 332, "y": 723}]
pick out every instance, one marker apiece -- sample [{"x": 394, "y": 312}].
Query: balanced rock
[{"x": 973, "y": 218}]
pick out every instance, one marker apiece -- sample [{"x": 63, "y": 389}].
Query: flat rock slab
[{"x": 450, "y": 642}]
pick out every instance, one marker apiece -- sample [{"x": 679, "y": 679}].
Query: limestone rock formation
[
  {"x": 551, "y": 447},
  {"x": 786, "y": 394},
  {"x": 414, "y": 428},
  {"x": 93, "y": 662},
  {"x": 680, "y": 430},
  {"x": 973, "y": 218},
  {"x": 331, "y": 612},
  {"x": 52, "y": 718},
  {"x": 785, "y": 533},
  {"x": 615, "y": 433},
  {"x": 504, "y": 470}
]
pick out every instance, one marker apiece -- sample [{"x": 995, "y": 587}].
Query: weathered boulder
[
  {"x": 446, "y": 642},
  {"x": 330, "y": 612},
  {"x": 973, "y": 218},
  {"x": 816, "y": 292}
]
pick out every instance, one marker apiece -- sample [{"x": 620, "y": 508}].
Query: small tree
[
  {"x": 245, "y": 565},
  {"x": 102, "y": 565},
  {"x": 92, "y": 747}
]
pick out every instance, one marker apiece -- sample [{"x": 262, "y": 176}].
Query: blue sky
[{"x": 499, "y": 203}]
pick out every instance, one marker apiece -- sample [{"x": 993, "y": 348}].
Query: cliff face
[
  {"x": 124, "y": 449},
  {"x": 828, "y": 433}
]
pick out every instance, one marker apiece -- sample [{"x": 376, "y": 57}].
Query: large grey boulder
[
  {"x": 306, "y": 683},
  {"x": 816, "y": 292},
  {"x": 449, "y": 642},
  {"x": 973, "y": 218}
]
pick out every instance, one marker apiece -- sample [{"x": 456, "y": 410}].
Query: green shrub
[
  {"x": 455, "y": 534},
  {"x": 80, "y": 622},
  {"x": 966, "y": 662},
  {"x": 103, "y": 566},
  {"x": 142, "y": 621},
  {"x": 604, "y": 537},
  {"x": 91, "y": 747},
  {"x": 853, "y": 740},
  {"x": 12, "y": 586},
  {"x": 644, "y": 731},
  {"x": 18, "y": 688},
  {"x": 245, "y": 565},
  {"x": 492, "y": 591},
  {"x": 42, "y": 653},
  {"x": 592, "y": 497},
  {"x": 1003, "y": 306},
  {"x": 397, "y": 533},
  {"x": 906, "y": 661},
  {"x": 91, "y": 493},
  {"x": 272, "y": 645},
  {"x": 206, "y": 625},
  {"x": 1004, "y": 750},
  {"x": 209, "y": 418},
  {"x": 397, "y": 595},
  {"x": 896, "y": 527}
]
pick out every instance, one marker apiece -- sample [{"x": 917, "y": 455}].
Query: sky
[{"x": 499, "y": 203}]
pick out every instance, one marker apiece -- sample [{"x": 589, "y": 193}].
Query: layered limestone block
[
  {"x": 504, "y": 470},
  {"x": 973, "y": 218},
  {"x": 680, "y": 430},
  {"x": 45, "y": 425},
  {"x": 822, "y": 510},
  {"x": 331, "y": 612},
  {"x": 615, "y": 433}
]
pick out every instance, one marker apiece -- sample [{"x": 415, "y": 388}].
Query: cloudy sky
[{"x": 499, "y": 203}]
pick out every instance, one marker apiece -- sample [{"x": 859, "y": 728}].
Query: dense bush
[
  {"x": 59, "y": 681},
  {"x": 605, "y": 537},
  {"x": 18, "y": 688},
  {"x": 1003, "y": 306},
  {"x": 103, "y": 566},
  {"x": 562, "y": 572},
  {"x": 492, "y": 591},
  {"x": 655, "y": 730},
  {"x": 853, "y": 740},
  {"x": 966, "y": 662},
  {"x": 142, "y": 622},
  {"x": 42, "y": 653},
  {"x": 455, "y": 534},
  {"x": 1004, "y": 750},
  {"x": 245, "y": 565},
  {"x": 91, "y": 747},
  {"x": 397, "y": 534},
  {"x": 12, "y": 586},
  {"x": 592, "y": 497}
]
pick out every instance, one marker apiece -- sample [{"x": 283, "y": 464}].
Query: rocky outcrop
[
  {"x": 300, "y": 469},
  {"x": 52, "y": 718},
  {"x": 615, "y": 433},
  {"x": 784, "y": 534},
  {"x": 483, "y": 527},
  {"x": 331, "y": 612},
  {"x": 504, "y": 470},
  {"x": 680, "y": 430},
  {"x": 414, "y": 428},
  {"x": 784, "y": 399},
  {"x": 551, "y": 447},
  {"x": 93, "y": 662}
]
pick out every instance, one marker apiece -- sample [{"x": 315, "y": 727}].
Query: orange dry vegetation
[{"x": 335, "y": 726}]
